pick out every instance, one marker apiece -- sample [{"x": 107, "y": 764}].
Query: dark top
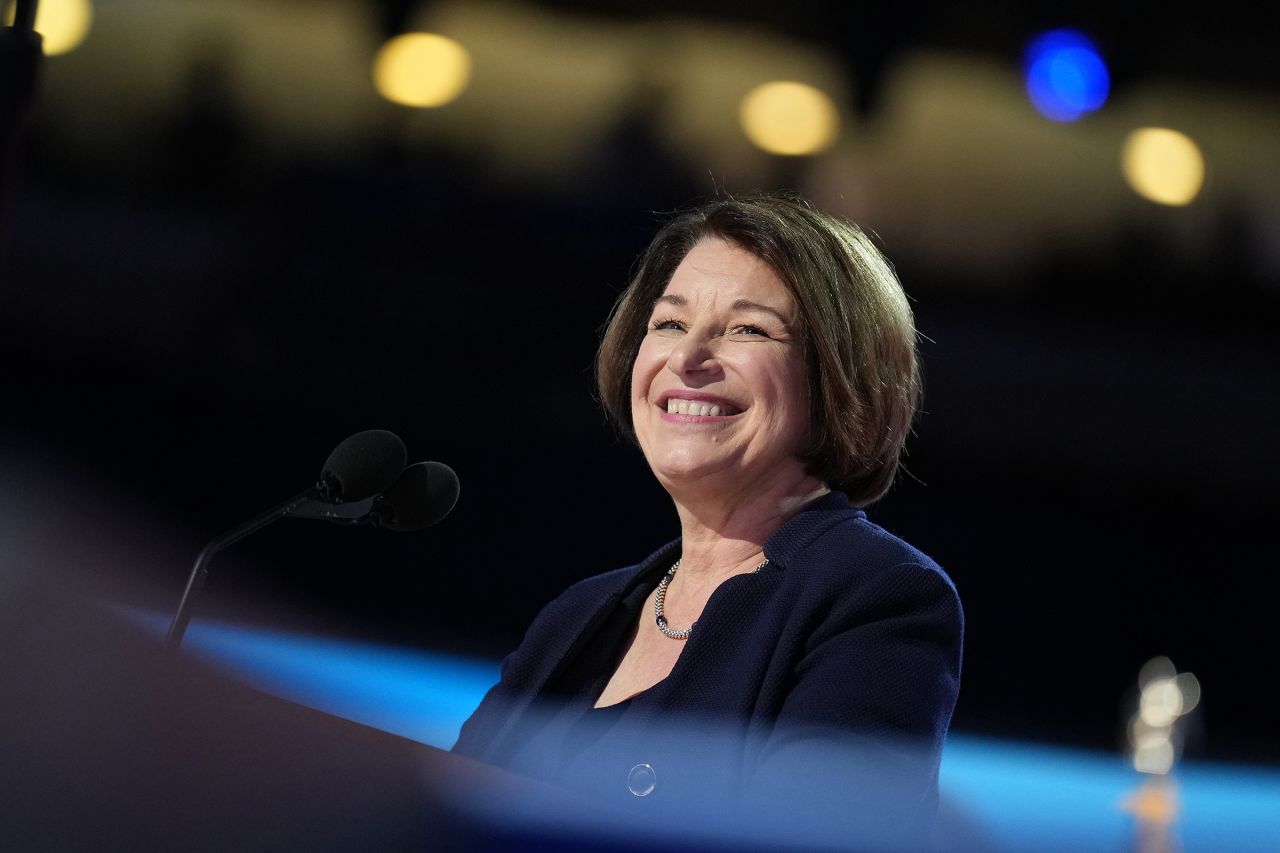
[{"x": 826, "y": 680}]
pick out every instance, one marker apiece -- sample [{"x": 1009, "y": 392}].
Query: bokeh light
[
  {"x": 1165, "y": 696},
  {"x": 1163, "y": 165},
  {"x": 64, "y": 24},
  {"x": 1161, "y": 702},
  {"x": 1066, "y": 76},
  {"x": 1154, "y": 803},
  {"x": 789, "y": 118},
  {"x": 421, "y": 70},
  {"x": 1157, "y": 667},
  {"x": 1189, "y": 687},
  {"x": 1154, "y": 754}
]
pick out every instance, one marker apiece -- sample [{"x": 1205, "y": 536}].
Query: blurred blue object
[
  {"x": 1033, "y": 796},
  {"x": 1014, "y": 795},
  {"x": 415, "y": 694},
  {"x": 1066, "y": 75}
]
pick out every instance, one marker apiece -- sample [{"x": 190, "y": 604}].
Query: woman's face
[{"x": 719, "y": 388}]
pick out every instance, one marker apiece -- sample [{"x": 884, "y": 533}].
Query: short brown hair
[{"x": 858, "y": 332}]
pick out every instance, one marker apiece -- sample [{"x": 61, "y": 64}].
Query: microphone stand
[
  {"x": 20, "y": 52},
  {"x": 368, "y": 461},
  {"x": 182, "y": 617}
]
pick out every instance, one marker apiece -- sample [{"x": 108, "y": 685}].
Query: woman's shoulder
[
  {"x": 835, "y": 542},
  {"x": 879, "y": 547},
  {"x": 849, "y": 572}
]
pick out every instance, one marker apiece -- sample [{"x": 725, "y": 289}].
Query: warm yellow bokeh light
[
  {"x": 64, "y": 24},
  {"x": 789, "y": 118},
  {"x": 1154, "y": 803},
  {"x": 421, "y": 70},
  {"x": 1163, "y": 165}
]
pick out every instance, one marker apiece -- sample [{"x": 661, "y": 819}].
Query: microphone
[
  {"x": 423, "y": 495},
  {"x": 363, "y": 465}
]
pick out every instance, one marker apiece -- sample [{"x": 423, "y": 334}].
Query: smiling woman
[
  {"x": 848, "y": 313},
  {"x": 720, "y": 339},
  {"x": 763, "y": 359}
]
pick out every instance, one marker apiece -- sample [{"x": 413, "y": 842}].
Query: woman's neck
[{"x": 720, "y": 538}]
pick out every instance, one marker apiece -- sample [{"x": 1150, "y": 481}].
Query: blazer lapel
[{"x": 564, "y": 648}]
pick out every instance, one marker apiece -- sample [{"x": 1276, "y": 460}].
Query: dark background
[{"x": 188, "y": 324}]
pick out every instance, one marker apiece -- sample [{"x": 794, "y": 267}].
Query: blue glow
[
  {"x": 1019, "y": 791},
  {"x": 1066, "y": 76},
  {"x": 1070, "y": 799},
  {"x": 416, "y": 694},
  {"x": 1019, "y": 794}
]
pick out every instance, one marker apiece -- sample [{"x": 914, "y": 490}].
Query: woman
[{"x": 764, "y": 360}]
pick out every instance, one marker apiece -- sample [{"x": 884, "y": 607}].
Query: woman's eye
[
  {"x": 675, "y": 325},
  {"x": 751, "y": 330}
]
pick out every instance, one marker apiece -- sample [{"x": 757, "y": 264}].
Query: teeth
[{"x": 691, "y": 407}]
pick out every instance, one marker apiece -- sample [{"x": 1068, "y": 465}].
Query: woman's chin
[{"x": 691, "y": 473}]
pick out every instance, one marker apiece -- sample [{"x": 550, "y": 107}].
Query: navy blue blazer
[{"x": 829, "y": 676}]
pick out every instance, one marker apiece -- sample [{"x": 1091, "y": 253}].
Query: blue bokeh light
[{"x": 1066, "y": 75}]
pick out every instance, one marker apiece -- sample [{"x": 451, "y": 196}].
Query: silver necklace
[{"x": 660, "y": 596}]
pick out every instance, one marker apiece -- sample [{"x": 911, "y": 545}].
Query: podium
[{"x": 110, "y": 742}]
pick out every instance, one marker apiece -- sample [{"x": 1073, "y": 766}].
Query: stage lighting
[
  {"x": 421, "y": 70},
  {"x": 1166, "y": 696},
  {"x": 785, "y": 117},
  {"x": 1163, "y": 166},
  {"x": 1066, "y": 76},
  {"x": 64, "y": 24}
]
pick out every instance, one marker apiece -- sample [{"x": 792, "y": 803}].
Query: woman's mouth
[{"x": 700, "y": 408}]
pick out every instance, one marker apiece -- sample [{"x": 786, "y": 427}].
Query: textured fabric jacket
[{"x": 826, "y": 680}]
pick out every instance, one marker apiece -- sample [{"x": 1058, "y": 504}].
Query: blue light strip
[
  {"x": 415, "y": 694},
  {"x": 1054, "y": 798},
  {"x": 1020, "y": 795}
]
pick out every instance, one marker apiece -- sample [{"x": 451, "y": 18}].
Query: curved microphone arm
[
  {"x": 362, "y": 465},
  {"x": 182, "y": 617}
]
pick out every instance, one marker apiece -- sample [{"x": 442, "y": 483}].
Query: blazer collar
[{"x": 795, "y": 534}]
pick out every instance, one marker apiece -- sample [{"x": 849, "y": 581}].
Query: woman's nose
[{"x": 693, "y": 354}]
